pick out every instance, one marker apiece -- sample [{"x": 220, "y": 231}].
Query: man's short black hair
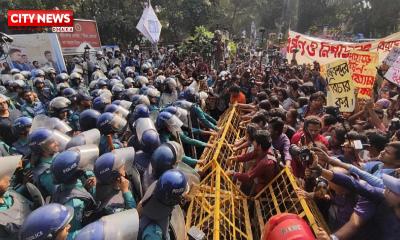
[
  {"x": 264, "y": 104},
  {"x": 234, "y": 89},
  {"x": 294, "y": 84},
  {"x": 377, "y": 139},
  {"x": 251, "y": 130},
  {"x": 277, "y": 124},
  {"x": 312, "y": 120},
  {"x": 261, "y": 96},
  {"x": 259, "y": 118},
  {"x": 317, "y": 95},
  {"x": 274, "y": 101},
  {"x": 329, "y": 120},
  {"x": 278, "y": 112},
  {"x": 263, "y": 138},
  {"x": 47, "y": 52}
]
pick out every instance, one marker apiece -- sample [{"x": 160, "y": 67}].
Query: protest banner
[
  {"x": 340, "y": 86},
  {"x": 392, "y": 56},
  {"x": 363, "y": 71},
  {"x": 149, "y": 25},
  {"x": 324, "y": 51},
  {"x": 393, "y": 74},
  {"x": 85, "y": 33},
  {"x": 41, "y": 47}
]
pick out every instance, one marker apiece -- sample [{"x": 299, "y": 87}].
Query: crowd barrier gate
[{"x": 222, "y": 211}]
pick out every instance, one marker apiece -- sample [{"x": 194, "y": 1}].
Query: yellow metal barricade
[
  {"x": 222, "y": 211},
  {"x": 279, "y": 196},
  {"x": 228, "y": 133},
  {"x": 218, "y": 208}
]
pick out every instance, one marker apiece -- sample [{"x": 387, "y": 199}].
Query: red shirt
[
  {"x": 299, "y": 134},
  {"x": 262, "y": 172},
  {"x": 240, "y": 98}
]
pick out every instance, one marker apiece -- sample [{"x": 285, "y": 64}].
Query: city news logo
[{"x": 58, "y": 20}]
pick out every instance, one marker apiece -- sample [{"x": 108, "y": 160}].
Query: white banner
[
  {"x": 324, "y": 51},
  {"x": 149, "y": 25}
]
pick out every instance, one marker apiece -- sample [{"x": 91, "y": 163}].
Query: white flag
[
  {"x": 253, "y": 30},
  {"x": 149, "y": 25}
]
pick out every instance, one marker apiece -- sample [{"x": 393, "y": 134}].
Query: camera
[
  {"x": 394, "y": 124},
  {"x": 268, "y": 69},
  {"x": 334, "y": 111},
  {"x": 303, "y": 153}
]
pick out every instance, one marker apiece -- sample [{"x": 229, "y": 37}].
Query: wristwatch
[{"x": 333, "y": 237}]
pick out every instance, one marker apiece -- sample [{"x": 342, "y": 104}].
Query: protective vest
[
  {"x": 12, "y": 218},
  {"x": 109, "y": 198},
  {"x": 37, "y": 172},
  {"x": 64, "y": 195},
  {"x": 163, "y": 214}
]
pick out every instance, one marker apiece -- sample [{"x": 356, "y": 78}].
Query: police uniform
[
  {"x": 74, "y": 120},
  {"x": 75, "y": 196},
  {"x": 31, "y": 110},
  {"x": 14, "y": 208},
  {"x": 157, "y": 219},
  {"x": 42, "y": 176},
  {"x": 13, "y": 212},
  {"x": 21, "y": 146},
  {"x": 168, "y": 98},
  {"x": 166, "y": 136},
  {"x": 197, "y": 114},
  {"x": 105, "y": 148},
  {"x": 113, "y": 200},
  {"x": 45, "y": 95},
  {"x": 154, "y": 111},
  {"x": 5, "y": 150},
  {"x": 50, "y": 85}
]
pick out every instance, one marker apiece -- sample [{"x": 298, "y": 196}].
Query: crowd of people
[{"x": 108, "y": 149}]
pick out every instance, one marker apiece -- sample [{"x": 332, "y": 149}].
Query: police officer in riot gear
[
  {"x": 110, "y": 124},
  {"x": 21, "y": 128},
  {"x": 68, "y": 169},
  {"x": 14, "y": 207},
  {"x": 76, "y": 82},
  {"x": 48, "y": 222},
  {"x": 113, "y": 189},
  {"x": 43, "y": 93},
  {"x": 145, "y": 136},
  {"x": 170, "y": 93},
  {"x": 62, "y": 78},
  {"x": 189, "y": 102},
  {"x": 169, "y": 127},
  {"x": 168, "y": 156},
  {"x": 100, "y": 102},
  {"x": 158, "y": 205},
  {"x": 59, "y": 107},
  {"x": 88, "y": 119},
  {"x": 44, "y": 144}
]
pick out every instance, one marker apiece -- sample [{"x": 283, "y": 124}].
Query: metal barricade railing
[
  {"x": 222, "y": 211},
  {"x": 219, "y": 209},
  {"x": 279, "y": 196}
]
